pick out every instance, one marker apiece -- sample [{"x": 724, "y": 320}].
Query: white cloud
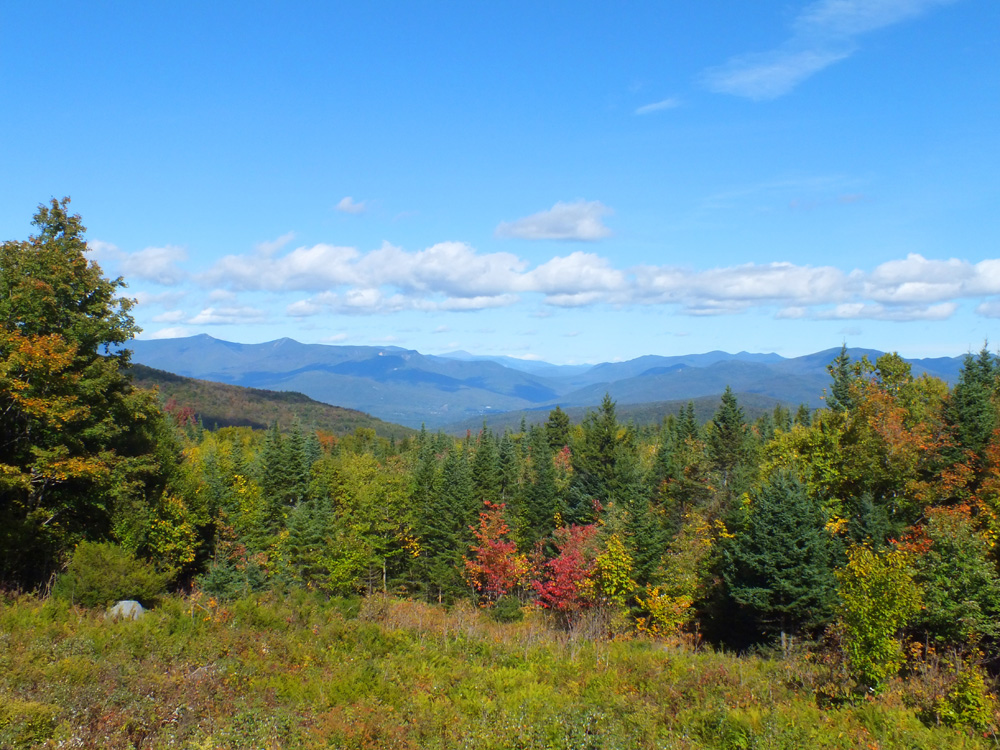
[
  {"x": 823, "y": 33},
  {"x": 769, "y": 75},
  {"x": 574, "y": 273},
  {"x": 176, "y": 332},
  {"x": 227, "y": 316},
  {"x": 348, "y": 205},
  {"x": 103, "y": 251},
  {"x": 174, "y": 316},
  {"x": 852, "y": 17},
  {"x": 270, "y": 247},
  {"x": 336, "y": 338},
  {"x": 989, "y": 309},
  {"x": 167, "y": 299},
  {"x": 305, "y": 269},
  {"x": 779, "y": 282},
  {"x": 866, "y": 310},
  {"x": 482, "y": 302},
  {"x": 221, "y": 295},
  {"x": 579, "y": 220},
  {"x": 658, "y": 106},
  {"x": 156, "y": 264}
]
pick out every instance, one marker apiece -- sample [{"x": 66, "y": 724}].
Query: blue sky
[{"x": 569, "y": 181}]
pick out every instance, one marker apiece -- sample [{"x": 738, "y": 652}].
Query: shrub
[
  {"x": 226, "y": 581},
  {"x": 507, "y": 609},
  {"x": 24, "y": 724},
  {"x": 99, "y": 574}
]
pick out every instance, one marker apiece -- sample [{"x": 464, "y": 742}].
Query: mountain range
[{"x": 409, "y": 388}]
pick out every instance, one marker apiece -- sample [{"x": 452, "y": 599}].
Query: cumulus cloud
[
  {"x": 348, "y": 205},
  {"x": 227, "y": 316},
  {"x": 156, "y": 264},
  {"x": 174, "y": 316},
  {"x": 102, "y": 251},
  {"x": 658, "y": 106},
  {"x": 177, "y": 332},
  {"x": 906, "y": 313},
  {"x": 167, "y": 299},
  {"x": 824, "y": 32},
  {"x": 270, "y": 247},
  {"x": 989, "y": 309},
  {"x": 579, "y": 220},
  {"x": 455, "y": 277}
]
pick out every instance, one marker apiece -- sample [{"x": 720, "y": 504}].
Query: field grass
[{"x": 301, "y": 672}]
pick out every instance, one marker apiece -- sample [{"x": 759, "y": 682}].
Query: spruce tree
[
  {"x": 557, "y": 429},
  {"x": 541, "y": 495},
  {"x": 779, "y": 566}
]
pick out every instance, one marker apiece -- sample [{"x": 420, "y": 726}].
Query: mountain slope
[
  {"x": 221, "y": 405},
  {"x": 410, "y": 388}
]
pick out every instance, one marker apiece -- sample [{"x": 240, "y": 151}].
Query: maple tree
[
  {"x": 495, "y": 568},
  {"x": 566, "y": 584}
]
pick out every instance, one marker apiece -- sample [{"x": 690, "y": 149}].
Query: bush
[
  {"x": 225, "y": 581},
  {"x": 507, "y": 609},
  {"x": 99, "y": 574},
  {"x": 25, "y": 724}
]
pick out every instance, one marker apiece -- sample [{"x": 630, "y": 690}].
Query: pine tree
[
  {"x": 731, "y": 447},
  {"x": 557, "y": 429},
  {"x": 972, "y": 411},
  {"x": 839, "y": 397},
  {"x": 486, "y": 469},
  {"x": 780, "y": 564},
  {"x": 443, "y": 528},
  {"x": 541, "y": 495},
  {"x": 594, "y": 460}
]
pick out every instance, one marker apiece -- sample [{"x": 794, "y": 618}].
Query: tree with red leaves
[
  {"x": 496, "y": 568},
  {"x": 567, "y": 582}
]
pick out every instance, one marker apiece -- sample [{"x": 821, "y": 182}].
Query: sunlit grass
[{"x": 270, "y": 672}]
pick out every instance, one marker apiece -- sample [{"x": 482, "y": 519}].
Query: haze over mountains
[{"x": 407, "y": 387}]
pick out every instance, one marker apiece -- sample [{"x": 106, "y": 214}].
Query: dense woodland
[{"x": 865, "y": 531}]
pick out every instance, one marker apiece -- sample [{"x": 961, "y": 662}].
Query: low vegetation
[{"x": 299, "y": 671}]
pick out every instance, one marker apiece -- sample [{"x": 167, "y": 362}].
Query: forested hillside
[
  {"x": 866, "y": 530},
  {"x": 217, "y": 405}
]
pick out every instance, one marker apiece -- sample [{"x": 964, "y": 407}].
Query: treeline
[{"x": 867, "y": 521}]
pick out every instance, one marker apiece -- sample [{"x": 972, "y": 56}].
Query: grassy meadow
[{"x": 303, "y": 672}]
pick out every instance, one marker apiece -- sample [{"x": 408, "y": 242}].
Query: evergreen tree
[
  {"x": 594, "y": 460},
  {"x": 839, "y": 398},
  {"x": 731, "y": 447},
  {"x": 541, "y": 495},
  {"x": 972, "y": 411},
  {"x": 443, "y": 528},
  {"x": 557, "y": 429},
  {"x": 780, "y": 564},
  {"x": 486, "y": 469}
]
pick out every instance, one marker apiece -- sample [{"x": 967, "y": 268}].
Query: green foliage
[
  {"x": 507, "y": 609},
  {"x": 297, "y": 671},
  {"x": 227, "y": 580},
  {"x": 25, "y": 724},
  {"x": 99, "y": 574},
  {"x": 959, "y": 579},
  {"x": 968, "y": 703},
  {"x": 218, "y": 405},
  {"x": 780, "y": 563},
  {"x": 878, "y": 597},
  {"x": 80, "y": 448}
]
